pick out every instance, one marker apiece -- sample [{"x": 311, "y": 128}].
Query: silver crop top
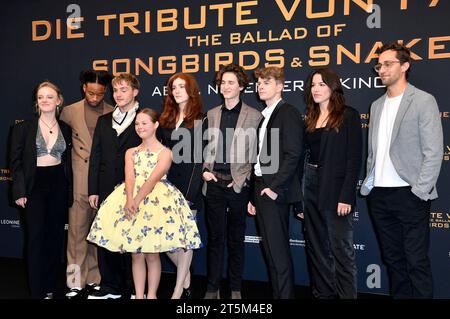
[{"x": 58, "y": 148}]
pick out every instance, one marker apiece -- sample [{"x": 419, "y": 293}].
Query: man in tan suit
[
  {"x": 82, "y": 272},
  {"x": 232, "y": 141}
]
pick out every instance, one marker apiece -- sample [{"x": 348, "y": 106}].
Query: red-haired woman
[{"x": 181, "y": 130}]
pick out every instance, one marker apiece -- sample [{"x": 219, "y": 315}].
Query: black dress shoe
[
  {"x": 76, "y": 293},
  {"x": 90, "y": 288},
  {"x": 187, "y": 293}
]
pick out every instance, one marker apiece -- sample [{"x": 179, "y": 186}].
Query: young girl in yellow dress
[{"x": 146, "y": 215}]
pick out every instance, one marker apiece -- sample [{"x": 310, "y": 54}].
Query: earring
[{"x": 37, "y": 109}]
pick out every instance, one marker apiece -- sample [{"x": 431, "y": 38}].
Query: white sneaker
[{"x": 102, "y": 294}]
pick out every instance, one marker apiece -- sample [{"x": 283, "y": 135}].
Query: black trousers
[
  {"x": 46, "y": 212},
  {"x": 272, "y": 218},
  {"x": 329, "y": 246},
  {"x": 116, "y": 272},
  {"x": 226, "y": 220},
  {"x": 402, "y": 223}
]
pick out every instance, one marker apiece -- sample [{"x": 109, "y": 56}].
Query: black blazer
[
  {"x": 186, "y": 176},
  {"x": 285, "y": 180},
  {"x": 340, "y": 161},
  {"x": 107, "y": 160},
  {"x": 23, "y": 157}
]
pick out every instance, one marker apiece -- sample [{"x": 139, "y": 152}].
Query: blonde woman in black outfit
[
  {"x": 42, "y": 186},
  {"x": 333, "y": 161}
]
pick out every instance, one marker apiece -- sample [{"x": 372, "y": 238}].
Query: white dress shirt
[{"x": 267, "y": 113}]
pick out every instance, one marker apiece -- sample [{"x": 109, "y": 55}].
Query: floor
[{"x": 13, "y": 285}]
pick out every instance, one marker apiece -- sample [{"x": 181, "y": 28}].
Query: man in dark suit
[
  {"x": 114, "y": 134},
  {"x": 276, "y": 178}
]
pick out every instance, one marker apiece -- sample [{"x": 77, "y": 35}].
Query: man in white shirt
[
  {"x": 114, "y": 134},
  {"x": 277, "y": 178},
  {"x": 405, "y": 150}
]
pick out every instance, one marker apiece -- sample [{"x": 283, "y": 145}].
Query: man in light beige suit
[
  {"x": 231, "y": 150},
  {"x": 83, "y": 274}
]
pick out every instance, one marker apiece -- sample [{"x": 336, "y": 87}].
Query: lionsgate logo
[
  {"x": 15, "y": 223},
  {"x": 252, "y": 239},
  {"x": 297, "y": 242}
]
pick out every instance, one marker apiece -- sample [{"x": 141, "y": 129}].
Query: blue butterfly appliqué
[
  {"x": 103, "y": 241},
  {"x": 169, "y": 236},
  {"x": 170, "y": 220},
  {"x": 145, "y": 230},
  {"x": 147, "y": 216}
]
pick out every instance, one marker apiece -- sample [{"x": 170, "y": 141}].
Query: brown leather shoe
[
  {"x": 236, "y": 295},
  {"x": 212, "y": 295}
]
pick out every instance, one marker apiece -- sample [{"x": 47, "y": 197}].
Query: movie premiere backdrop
[{"x": 55, "y": 40}]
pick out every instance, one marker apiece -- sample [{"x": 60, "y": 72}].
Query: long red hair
[{"x": 193, "y": 109}]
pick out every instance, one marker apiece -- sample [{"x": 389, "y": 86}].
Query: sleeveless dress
[{"x": 163, "y": 221}]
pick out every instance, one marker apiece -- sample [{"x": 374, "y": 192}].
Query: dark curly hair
[{"x": 238, "y": 70}]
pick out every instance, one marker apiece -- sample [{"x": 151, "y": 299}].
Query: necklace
[{"x": 48, "y": 126}]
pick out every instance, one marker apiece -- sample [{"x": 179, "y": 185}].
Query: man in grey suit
[
  {"x": 228, "y": 164},
  {"x": 405, "y": 149}
]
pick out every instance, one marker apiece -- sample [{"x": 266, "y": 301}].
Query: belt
[
  {"x": 224, "y": 177},
  {"x": 259, "y": 179}
]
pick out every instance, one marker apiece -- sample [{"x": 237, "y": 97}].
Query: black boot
[{"x": 187, "y": 293}]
